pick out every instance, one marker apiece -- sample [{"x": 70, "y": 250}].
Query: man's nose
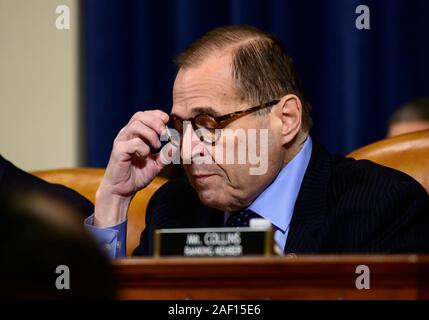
[{"x": 191, "y": 145}]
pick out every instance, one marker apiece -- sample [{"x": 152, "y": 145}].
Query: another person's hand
[{"x": 131, "y": 167}]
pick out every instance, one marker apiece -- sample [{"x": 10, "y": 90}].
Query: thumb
[{"x": 169, "y": 154}]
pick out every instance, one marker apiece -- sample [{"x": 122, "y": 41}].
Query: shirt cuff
[{"x": 112, "y": 240}]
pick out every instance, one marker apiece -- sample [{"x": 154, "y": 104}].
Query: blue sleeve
[{"x": 112, "y": 239}]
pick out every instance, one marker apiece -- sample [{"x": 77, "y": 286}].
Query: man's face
[{"x": 209, "y": 88}]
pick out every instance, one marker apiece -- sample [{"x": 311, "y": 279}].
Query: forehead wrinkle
[
  {"x": 213, "y": 74},
  {"x": 197, "y": 88}
]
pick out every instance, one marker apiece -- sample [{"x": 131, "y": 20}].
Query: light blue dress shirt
[{"x": 276, "y": 204}]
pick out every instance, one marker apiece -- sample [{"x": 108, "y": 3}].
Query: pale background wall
[{"x": 39, "y": 85}]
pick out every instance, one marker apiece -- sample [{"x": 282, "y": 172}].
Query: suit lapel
[{"x": 311, "y": 207}]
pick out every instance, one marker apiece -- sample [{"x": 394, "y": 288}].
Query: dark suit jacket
[
  {"x": 344, "y": 206},
  {"x": 14, "y": 181}
]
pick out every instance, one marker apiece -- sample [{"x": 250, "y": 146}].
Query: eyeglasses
[{"x": 207, "y": 126}]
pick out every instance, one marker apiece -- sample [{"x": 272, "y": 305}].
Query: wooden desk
[{"x": 304, "y": 277}]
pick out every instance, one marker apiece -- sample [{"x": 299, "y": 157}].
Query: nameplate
[{"x": 213, "y": 242}]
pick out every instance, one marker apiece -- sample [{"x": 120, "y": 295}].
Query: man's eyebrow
[{"x": 204, "y": 109}]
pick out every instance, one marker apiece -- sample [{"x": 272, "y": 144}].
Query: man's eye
[
  {"x": 207, "y": 122},
  {"x": 210, "y": 126}
]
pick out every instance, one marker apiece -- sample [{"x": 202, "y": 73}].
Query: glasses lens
[
  {"x": 206, "y": 121},
  {"x": 207, "y": 128}
]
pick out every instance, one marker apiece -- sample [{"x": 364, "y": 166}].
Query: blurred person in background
[
  {"x": 40, "y": 233},
  {"x": 411, "y": 117},
  {"x": 14, "y": 180},
  {"x": 41, "y": 230}
]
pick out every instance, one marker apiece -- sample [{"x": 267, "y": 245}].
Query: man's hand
[{"x": 131, "y": 166}]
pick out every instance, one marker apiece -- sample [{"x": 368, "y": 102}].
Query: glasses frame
[{"x": 220, "y": 120}]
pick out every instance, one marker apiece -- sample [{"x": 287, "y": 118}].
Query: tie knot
[{"x": 240, "y": 219}]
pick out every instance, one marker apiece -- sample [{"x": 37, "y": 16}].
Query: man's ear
[{"x": 291, "y": 117}]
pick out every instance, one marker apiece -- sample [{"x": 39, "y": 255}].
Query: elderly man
[{"x": 239, "y": 77}]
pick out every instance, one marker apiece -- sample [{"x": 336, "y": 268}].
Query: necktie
[{"x": 240, "y": 219}]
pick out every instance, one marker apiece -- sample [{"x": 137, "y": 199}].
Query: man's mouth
[{"x": 201, "y": 177}]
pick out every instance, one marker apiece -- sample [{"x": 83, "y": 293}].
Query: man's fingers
[
  {"x": 155, "y": 119},
  {"x": 138, "y": 129},
  {"x": 156, "y": 113},
  {"x": 135, "y": 146}
]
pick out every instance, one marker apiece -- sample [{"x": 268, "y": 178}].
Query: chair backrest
[
  {"x": 86, "y": 181},
  {"x": 408, "y": 153}
]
